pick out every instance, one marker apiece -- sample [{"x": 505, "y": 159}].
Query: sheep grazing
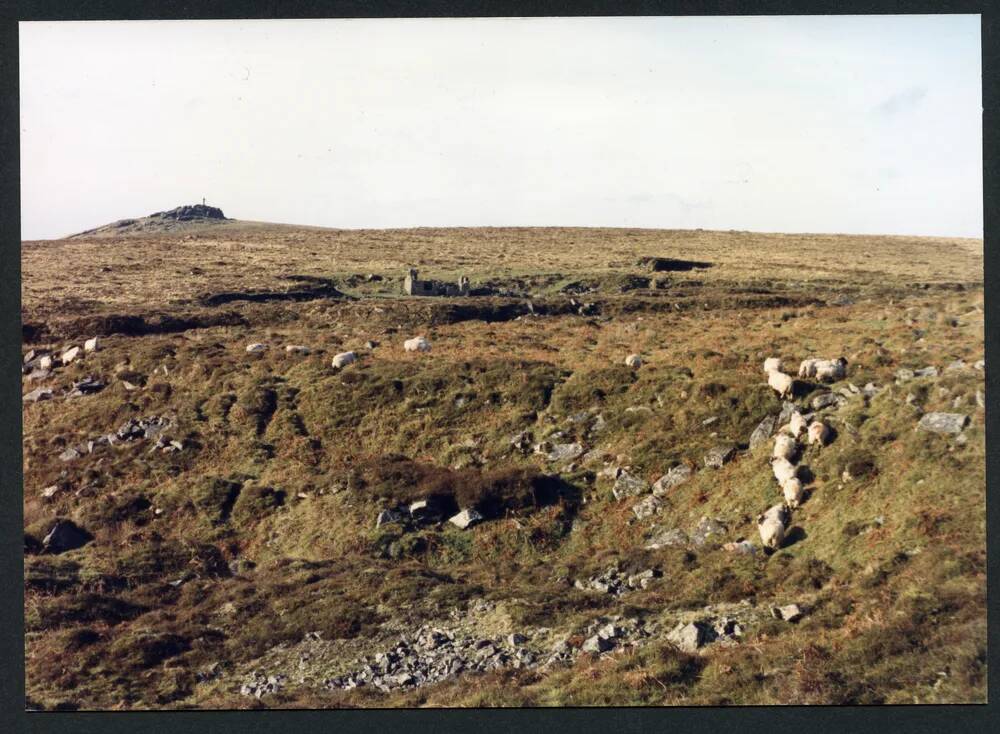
[
  {"x": 792, "y": 489},
  {"x": 824, "y": 369},
  {"x": 772, "y": 364},
  {"x": 819, "y": 433},
  {"x": 417, "y": 344},
  {"x": 343, "y": 359},
  {"x": 784, "y": 447},
  {"x": 807, "y": 368},
  {"x": 771, "y": 526},
  {"x": 795, "y": 426},
  {"x": 783, "y": 469},
  {"x": 831, "y": 370},
  {"x": 780, "y": 383},
  {"x": 634, "y": 361}
]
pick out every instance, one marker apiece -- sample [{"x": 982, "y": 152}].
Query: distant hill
[{"x": 179, "y": 218}]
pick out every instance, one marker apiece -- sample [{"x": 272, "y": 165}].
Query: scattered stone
[
  {"x": 647, "y": 507},
  {"x": 642, "y": 579},
  {"x": 688, "y": 637},
  {"x": 50, "y": 491},
  {"x": 904, "y": 374},
  {"x": 665, "y": 538},
  {"x": 64, "y": 536},
  {"x": 926, "y": 372},
  {"x": 980, "y": 399},
  {"x": 827, "y": 400},
  {"x": 37, "y": 395},
  {"x": 709, "y": 421},
  {"x": 343, "y": 359},
  {"x": 466, "y": 519},
  {"x": 90, "y": 345},
  {"x": 425, "y": 512},
  {"x": 597, "y": 644},
  {"x": 70, "y": 354},
  {"x": 790, "y": 613},
  {"x": 706, "y": 528},
  {"x": 389, "y": 516},
  {"x": 627, "y": 485},
  {"x": 256, "y": 348},
  {"x": 673, "y": 478},
  {"x": 522, "y": 441},
  {"x": 296, "y": 349},
  {"x": 958, "y": 364},
  {"x": 943, "y": 422},
  {"x": 86, "y": 386},
  {"x": 980, "y": 365},
  {"x": 135, "y": 429},
  {"x": 516, "y": 638},
  {"x": 634, "y": 361},
  {"x": 70, "y": 454},
  {"x": 260, "y": 684},
  {"x": 563, "y": 452},
  {"x": 719, "y": 455},
  {"x": 46, "y": 363},
  {"x": 742, "y": 547},
  {"x": 764, "y": 430}
]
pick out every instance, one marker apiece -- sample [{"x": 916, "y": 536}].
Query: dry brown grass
[{"x": 293, "y": 427}]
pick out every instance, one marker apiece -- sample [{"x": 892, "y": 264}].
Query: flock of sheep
[{"x": 773, "y": 524}]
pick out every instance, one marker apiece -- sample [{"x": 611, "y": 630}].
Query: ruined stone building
[{"x": 413, "y": 286}]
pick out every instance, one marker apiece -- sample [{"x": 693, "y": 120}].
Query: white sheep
[
  {"x": 772, "y": 363},
  {"x": 795, "y": 426},
  {"x": 783, "y": 469},
  {"x": 90, "y": 345},
  {"x": 819, "y": 433},
  {"x": 784, "y": 447},
  {"x": 792, "y": 489},
  {"x": 771, "y": 526},
  {"x": 343, "y": 359},
  {"x": 296, "y": 349},
  {"x": 634, "y": 361},
  {"x": 780, "y": 383},
  {"x": 831, "y": 370},
  {"x": 417, "y": 344},
  {"x": 807, "y": 368}
]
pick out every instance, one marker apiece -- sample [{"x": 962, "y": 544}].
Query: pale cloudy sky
[{"x": 862, "y": 124}]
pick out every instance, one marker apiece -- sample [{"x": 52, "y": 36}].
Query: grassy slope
[{"x": 892, "y": 606}]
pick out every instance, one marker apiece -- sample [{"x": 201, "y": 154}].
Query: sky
[{"x": 851, "y": 124}]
